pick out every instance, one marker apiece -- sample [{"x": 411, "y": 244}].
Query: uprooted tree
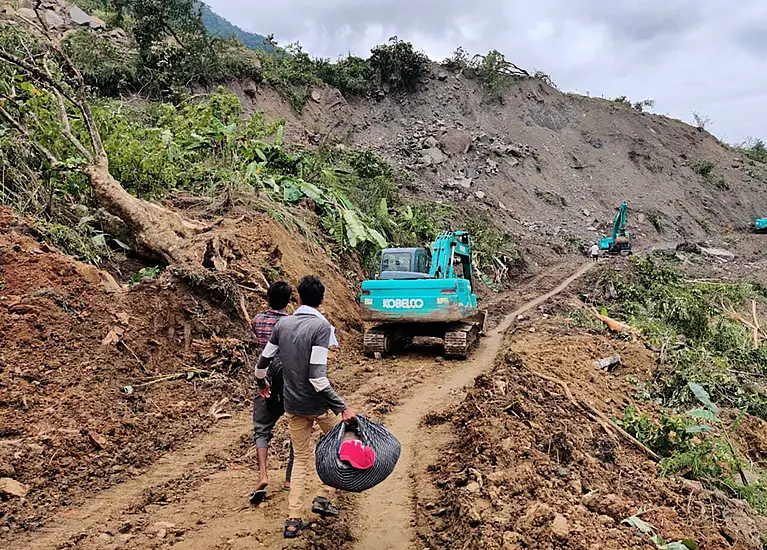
[{"x": 42, "y": 98}]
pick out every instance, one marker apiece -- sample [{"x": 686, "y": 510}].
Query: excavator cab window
[
  {"x": 396, "y": 261},
  {"x": 421, "y": 262}
]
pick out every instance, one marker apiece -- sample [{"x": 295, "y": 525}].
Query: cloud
[{"x": 708, "y": 56}]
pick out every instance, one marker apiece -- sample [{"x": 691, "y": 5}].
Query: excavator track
[
  {"x": 375, "y": 341},
  {"x": 384, "y": 340},
  {"x": 460, "y": 339}
]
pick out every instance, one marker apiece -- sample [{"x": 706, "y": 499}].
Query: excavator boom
[{"x": 620, "y": 240}]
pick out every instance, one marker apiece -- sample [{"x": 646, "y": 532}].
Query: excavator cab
[{"x": 401, "y": 263}]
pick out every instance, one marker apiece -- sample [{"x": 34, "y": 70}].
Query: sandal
[
  {"x": 323, "y": 507},
  {"x": 293, "y": 528},
  {"x": 259, "y": 495}
]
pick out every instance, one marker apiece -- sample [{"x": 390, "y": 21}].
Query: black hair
[
  {"x": 312, "y": 291},
  {"x": 279, "y": 294}
]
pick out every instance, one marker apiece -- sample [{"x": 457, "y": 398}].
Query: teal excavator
[
  {"x": 619, "y": 242},
  {"x": 760, "y": 225},
  {"x": 423, "y": 292}
]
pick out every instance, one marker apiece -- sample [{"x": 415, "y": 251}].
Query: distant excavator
[
  {"x": 760, "y": 225},
  {"x": 619, "y": 242},
  {"x": 419, "y": 292}
]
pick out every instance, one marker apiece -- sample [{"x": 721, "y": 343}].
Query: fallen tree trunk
[
  {"x": 157, "y": 231},
  {"x": 194, "y": 250}
]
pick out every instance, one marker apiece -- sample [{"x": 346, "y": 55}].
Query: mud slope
[
  {"x": 526, "y": 468},
  {"x": 71, "y": 337}
]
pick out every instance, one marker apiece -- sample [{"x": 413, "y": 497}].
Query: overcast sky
[{"x": 708, "y": 56}]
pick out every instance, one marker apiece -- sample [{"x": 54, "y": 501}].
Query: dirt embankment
[
  {"x": 549, "y": 167},
  {"x": 71, "y": 337},
  {"x": 529, "y": 469}
]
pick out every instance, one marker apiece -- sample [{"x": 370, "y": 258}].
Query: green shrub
[
  {"x": 460, "y": 60},
  {"x": 397, "y": 65},
  {"x": 623, "y": 101},
  {"x": 105, "y": 66},
  {"x": 703, "y": 168},
  {"x": 697, "y": 445},
  {"x": 655, "y": 220},
  {"x": 715, "y": 349},
  {"x": 492, "y": 72},
  {"x": 755, "y": 150},
  {"x": 490, "y": 242},
  {"x": 350, "y": 74}
]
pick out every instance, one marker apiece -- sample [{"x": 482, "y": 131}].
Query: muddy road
[{"x": 196, "y": 497}]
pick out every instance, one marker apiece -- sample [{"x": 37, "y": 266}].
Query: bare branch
[
  {"x": 36, "y": 72},
  {"x": 67, "y": 128},
  {"x": 82, "y": 104},
  {"x": 23, "y": 130}
]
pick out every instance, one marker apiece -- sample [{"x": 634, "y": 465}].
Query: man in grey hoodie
[{"x": 303, "y": 341}]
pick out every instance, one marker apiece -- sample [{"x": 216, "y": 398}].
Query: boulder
[
  {"x": 27, "y": 13},
  {"x": 97, "y": 24},
  {"x": 250, "y": 89},
  {"x": 54, "y": 20},
  {"x": 442, "y": 77},
  {"x": 430, "y": 142},
  {"x": 78, "y": 16},
  {"x": 432, "y": 157},
  {"x": 457, "y": 142},
  {"x": 12, "y": 488},
  {"x": 537, "y": 514},
  {"x": 515, "y": 151},
  {"x": 718, "y": 253},
  {"x": 560, "y": 527},
  {"x": 462, "y": 183},
  {"x": 7, "y": 469}
]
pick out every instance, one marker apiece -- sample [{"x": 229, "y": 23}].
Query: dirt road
[
  {"x": 386, "y": 511},
  {"x": 196, "y": 497}
]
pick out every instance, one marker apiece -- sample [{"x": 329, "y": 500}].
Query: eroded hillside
[
  {"x": 126, "y": 367},
  {"x": 549, "y": 166}
]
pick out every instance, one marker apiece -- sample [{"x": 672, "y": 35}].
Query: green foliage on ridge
[{"x": 206, "y": 146}]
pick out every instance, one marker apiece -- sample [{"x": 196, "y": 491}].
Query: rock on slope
[{"x": 551, "y": 167}]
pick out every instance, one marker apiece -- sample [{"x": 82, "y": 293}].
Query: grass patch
[{"x": 703, "y": 168}]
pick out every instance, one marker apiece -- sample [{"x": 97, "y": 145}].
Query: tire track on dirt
[
  {"x": 386, "y": 513},
  {"x": 108, "y": 505}
]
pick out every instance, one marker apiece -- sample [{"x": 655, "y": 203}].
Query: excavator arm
[
  {"x": 619, "y": 241},
  {"x": 445, "y": 250},
  {"x": 619, "y": 227}
]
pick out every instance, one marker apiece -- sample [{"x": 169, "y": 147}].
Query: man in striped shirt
[
  {"x": 267, "y": 411},
  {"x": 303, "y": 340}
]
